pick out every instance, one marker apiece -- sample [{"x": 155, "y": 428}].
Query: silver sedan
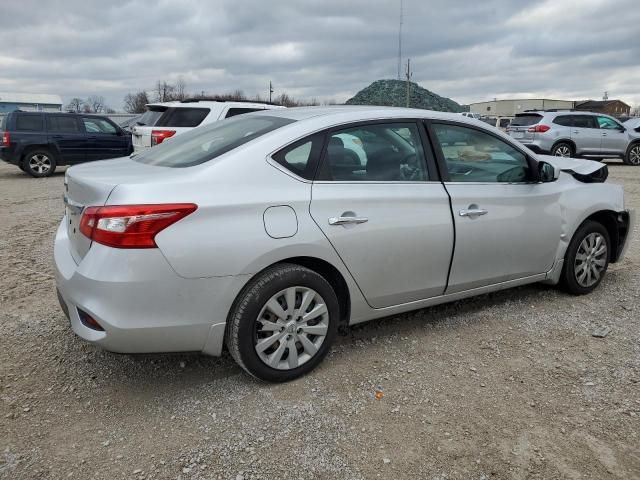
[{"x": 268, "y": 231}]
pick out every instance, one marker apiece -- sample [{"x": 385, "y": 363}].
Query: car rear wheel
[
  {"x": 283, "y": 323},
  {"x": 587, "y": 258},
  {"x": 633, "y": 155},
  {"x": 562, "y": 149},
  {"x": 39, "y": 163}
]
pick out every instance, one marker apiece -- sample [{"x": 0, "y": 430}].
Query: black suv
[{"x": 39, "y": 142}]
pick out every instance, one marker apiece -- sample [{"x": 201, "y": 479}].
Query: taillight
[
  {"x": 159, "y": 136},
  {"x": 131, "y": 226},
  {"x": 539, "y": 129},
  {"x": 6, "y": 139}
]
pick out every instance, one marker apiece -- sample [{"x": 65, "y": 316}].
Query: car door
[
  {"x": 614, "y": 136},
  {"x": 507, "y": 224},
  {"x": 104, "y": 139},
  {"x": 384, "y": 211},
  {"x": 68, "y": 137},
  {"x": 586, "y": 134}
]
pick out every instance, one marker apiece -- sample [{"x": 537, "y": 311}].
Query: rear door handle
[
  {"x": 604, "y": 134},
  {"x": 473, "y": 212},
  {"x": 347, "y": 220}
]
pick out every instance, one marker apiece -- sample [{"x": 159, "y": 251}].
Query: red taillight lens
[
  {"x": 159, "y": 136},
  {"x": 131, "y": 226},
  {"x": 6, "y": 139},
  {"x": 539, "y": 129}
]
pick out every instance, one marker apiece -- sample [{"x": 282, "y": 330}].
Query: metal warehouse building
[
  {"x": 29, "y": 102},
  {"x": 508, "y": 108}
]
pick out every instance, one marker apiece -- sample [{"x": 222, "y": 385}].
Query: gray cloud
[{"x": 468, "y": 50}]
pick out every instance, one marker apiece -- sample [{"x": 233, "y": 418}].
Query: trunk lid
[
  {"x": 91, "y": 185},
  {"x": 520, "y": 125}
]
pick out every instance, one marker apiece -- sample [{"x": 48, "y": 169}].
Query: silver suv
[{"x": 576, "y": 134}]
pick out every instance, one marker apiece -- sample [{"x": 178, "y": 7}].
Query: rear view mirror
[{"x": 547, "y": 172}]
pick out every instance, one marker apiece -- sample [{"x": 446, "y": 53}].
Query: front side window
[
  {"x": 607, "y": 123},
  {"x": 182, "y": 117},
  {"x": 203, "y": 144},
  {"x": 29, "y": 122},
  {"x": 475, "y": 156},
  {"x": 388, "y": 152},
  {"x": 98, "y": 125}
]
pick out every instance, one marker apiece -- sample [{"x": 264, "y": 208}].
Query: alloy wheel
[
  {"x": 634, "y": 155},
  {"x": 562, "y": 151},
  {"x": 291, "y": 327},
  {"x": 40, "y": 163},
  {"x": 591, "y": 260}
]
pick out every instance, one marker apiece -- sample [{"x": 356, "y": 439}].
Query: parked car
[
  {"x": 265, "y": 233},
  {"x": 165, "y": 120},
  {"x": 39, "y": 142},
  {"x": 576, "y": 134},
  {"x": 476, "y": 116},
  {"x": 129, "y": 123}
]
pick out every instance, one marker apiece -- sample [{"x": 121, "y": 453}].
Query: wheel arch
[
  {"x": 616, "y": 225},
  {"x": 44, "y": 146},
  {"x": 564, "y": 140}
]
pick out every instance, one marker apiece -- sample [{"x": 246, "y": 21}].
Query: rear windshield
[
  {"x": 203, "y": 144},
  {"x": 151, "y": 116},
  {"x": 524, "y": 120},
  {"x": 182, "y": 117}
]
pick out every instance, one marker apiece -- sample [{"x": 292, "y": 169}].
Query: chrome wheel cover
[
  {"x": 591, "y": 260},
  {"x": 634, "y": 155},
  {"x": 291, "y": 327},
  {"x": 40, "y": 163},
  {"x": 562, "y": 151}
]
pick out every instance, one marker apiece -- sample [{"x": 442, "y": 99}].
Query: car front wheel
[
  {"x": 587, "y": 258},
  {"x": 283, "y": 323}
]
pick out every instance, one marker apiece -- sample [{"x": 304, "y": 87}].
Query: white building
[
  {"x": 29, "y": 102},
  {"x": 508, "y": 108}
]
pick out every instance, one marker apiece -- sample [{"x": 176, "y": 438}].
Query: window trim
[
  {"x": 429, "y": 163},
  {"x": 442, "y": 164}
]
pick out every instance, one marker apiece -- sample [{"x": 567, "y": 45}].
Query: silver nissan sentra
[{"x": 267, "y": 231}]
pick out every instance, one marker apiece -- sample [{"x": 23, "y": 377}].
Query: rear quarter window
[
  {"x": 239, "y": 111},
  {"x": 29, "y": 122},
  {"x": 183, "y": 117},
  {"x": 301, "y": 158},
  {"x": 525, "y": 120}
]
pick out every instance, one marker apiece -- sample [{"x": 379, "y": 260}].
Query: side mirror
[{"x": 547, "y": 172}]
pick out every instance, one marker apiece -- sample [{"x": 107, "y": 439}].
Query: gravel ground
[{"x": 508, "y": 385}]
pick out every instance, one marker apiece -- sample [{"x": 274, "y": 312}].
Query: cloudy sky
[{"x": 469, "y": 50}]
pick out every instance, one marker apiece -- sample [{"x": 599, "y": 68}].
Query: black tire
[
  {"x": 632, "y": 157},
  {"x": 570, "y": 280},
  {"x": 562, "y": 147},
  {"x": 242, "y": 334},
  {"x": 39, "y": 162}
]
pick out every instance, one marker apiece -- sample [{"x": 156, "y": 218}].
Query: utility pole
[
  {"x": 400, "y": 42},
  {"x": 408, "y": 74},
  {"x": 270, "y": 90}
]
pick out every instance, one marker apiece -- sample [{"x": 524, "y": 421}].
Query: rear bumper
[
  {"x": 140, "y": 302},
  {"x": 7, "y": 154}
]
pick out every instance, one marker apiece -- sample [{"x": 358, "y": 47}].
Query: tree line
[
  {"x": 165, "y": 91},
  {"x": 92, "y": 104}
]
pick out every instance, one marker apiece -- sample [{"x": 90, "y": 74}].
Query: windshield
[{"x": 208, "y": 142}]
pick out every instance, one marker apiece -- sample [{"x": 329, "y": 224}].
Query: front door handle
[
  {"x": 347, "y": 220},
  {"x": 473, "y": 212},
  {"x": 604, "y": 134}
]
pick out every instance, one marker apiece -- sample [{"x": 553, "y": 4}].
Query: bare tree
[
  {"x": 136, "y": 102},
  {"x": 180, "y": 89},
  {"x": 635, "y": 111},
  {"x": 95, "y": 104},
  {"x": 164, "y": 91},
  {"x": 75, "y": 105}
]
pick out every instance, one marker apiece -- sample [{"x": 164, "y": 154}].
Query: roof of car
[
  {"x": 194, "y": 103},
  {"x": 367, "y": 111}
]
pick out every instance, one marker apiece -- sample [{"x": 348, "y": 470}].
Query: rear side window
[
  {"x": 564, "y": 120},
  {"x": 524, "y": 120},
  {"x": 239, "y": 111},
  {"x": 584, "y": 121},
  {"x": 29, "y": 123},
  {"x": 203, "y": 144},
  {"x": 62, "y": 124},
  {"x": 183, "y": 117},
  {"x": 302, "y": 157}
]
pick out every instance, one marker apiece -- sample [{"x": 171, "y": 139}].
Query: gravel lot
[{"x": 508, "y": 385}]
